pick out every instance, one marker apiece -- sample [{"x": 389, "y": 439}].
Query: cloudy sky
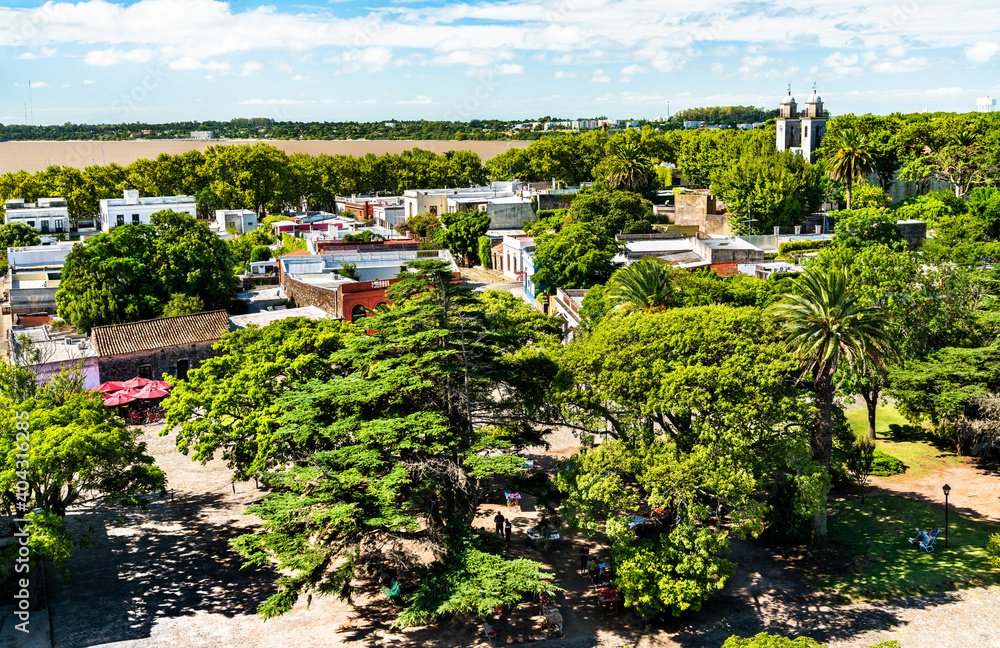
[{"x": 163, "y": 60}]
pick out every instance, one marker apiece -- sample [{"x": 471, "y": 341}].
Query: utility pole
[{"x": 749, "y": 220}]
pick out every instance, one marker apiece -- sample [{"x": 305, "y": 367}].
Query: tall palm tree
[
  {"x": 852, "y": 158},
  {"x": 630, "y": 169},
  {"x": 824, "y": 324},
  {"x": 644, "y": 286}
]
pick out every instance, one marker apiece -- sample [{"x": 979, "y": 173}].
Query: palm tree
[
  {"x": 644, "y": 286},
  {"x": 630, "y": 169},
  {"x": 852, "y": 159},
  {"x": 823, "y": 324}
]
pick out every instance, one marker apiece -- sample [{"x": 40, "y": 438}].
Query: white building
[
  {"x": 583, "y": 124},
  {"x": 512, "y": 255},
  {"x": 693, "y": 124},
  {"x": 133, "y": 210},
  {"x": 986, "y": 105},
  {"x": 389, "y": 216},
  {"x": 48, "y": 215},
  {"x": 56, "y": 352},
  {"x": 243, "y": 220},
  {"x": 201, "y": 135}
]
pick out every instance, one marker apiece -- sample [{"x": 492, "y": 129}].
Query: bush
[
  {"x": 486, "y": 252},
  {"x": 765, "y": 640},
  {"x": 993, "y": 551},
  {"x": 884, "y": 465},
  {"x": 801, "y": 246}
]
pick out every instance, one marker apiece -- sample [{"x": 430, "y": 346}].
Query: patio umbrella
[
  {"x": 110, "y": 386},
  {"x": 118, "y": 398},
  {"x": 151, "y": 392},
  {"x": 159, "y": 384},
  {"x": 137, "y": 382}
]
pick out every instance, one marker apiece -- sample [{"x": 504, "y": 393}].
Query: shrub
[
  {"x": 884, "y": 465},
  {"x": 801, "y": 246},
  {"x": 993, "y": 551},
  {"x": 485, "y": 252},
  {"x": 765, "y": 640}
]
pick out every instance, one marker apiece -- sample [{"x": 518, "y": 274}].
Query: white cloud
[
  {"x": 190, "y": 63},
  {"x": 113, "y": 56},
  {"x": 629, "y": 70},
  {"x": 88, "y": 82},
  {"x": 600, "y": 77},
  {"x": 562, "y": 74},
  {"x": 982, "y": 52},
  {"x": 369, "y": 59},
  {"x": 27, "y": 56},
  {"x": 45, "y": 52},
  {"x": 299, "y": 77},
  {"x": 419, "y": 100},
  {"x": 34, "y": 84},
  {"x": 274, "y": 102},
  {"x": 840, "y": 66},
  {"x": 915, "y": 64},
  {"x": 250, "y": 68},
  {"x": 65, "y": 85}
]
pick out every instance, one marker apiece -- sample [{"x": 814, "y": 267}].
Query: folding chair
[{"x": 491, "y": 634}]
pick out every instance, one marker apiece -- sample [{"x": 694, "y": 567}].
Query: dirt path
[{"x": 975, "y": 490}]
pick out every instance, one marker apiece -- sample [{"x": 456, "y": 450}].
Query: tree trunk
[
  {"x": 871, "y": 401},
  {"x": 822, "y": 439}
]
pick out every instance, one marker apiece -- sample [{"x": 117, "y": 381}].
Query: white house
[
  {"x": 243, "y": 220},
  {"x": 513, "y": 253},
  {"x": 48, "y": 215},
  {"x": 133, "y": 210}
]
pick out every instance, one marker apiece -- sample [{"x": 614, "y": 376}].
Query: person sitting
[{"x": 921, "y": 537}]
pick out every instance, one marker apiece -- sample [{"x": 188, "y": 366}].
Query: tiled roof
[{"x": 149, "y": 335}]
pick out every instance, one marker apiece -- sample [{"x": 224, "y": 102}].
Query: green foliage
[
  {"x": 885, "y": 465},
  {"x": 993, "y": 551},
  {"x": 485, "y": 252},
  {"x": 17, "y": 235},
  {"x": 349, "y": 270},
  {"x": 860, "y": 461},
  {"x": 129, "y": 273},
  {"x": 628, "y": 167},
  {"x": 181, "y": 304},
  {"x": 643, "y": 286},
  {"x": 765, "y": 640},
  {"x": 801, "y": 246},
  {"x": 78, "y": 448},
  {"x": 578, "y": 256},
  {"x": 260, "y": 253},
  {"x": 289, "y": 243},
  {"x": 374, "y": 441},
  {"x": 610, "y": 209},
  {"x": 363, "y": 237},
  {"x": 422, "y": 226},
  {"x": 462, "y": 233},
  {"x": 725, "y": 115},
  {"x": 859, "y": 227},
  {"x": 851, "y": 158},
  {"x": 869, "y": 196}
]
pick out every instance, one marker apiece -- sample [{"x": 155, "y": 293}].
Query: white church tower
[{"x": 801, "y": 132}]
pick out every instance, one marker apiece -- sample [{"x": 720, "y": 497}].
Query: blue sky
[{"x": 164, "y": 60}]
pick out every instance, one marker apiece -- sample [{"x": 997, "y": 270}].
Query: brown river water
[{"x": 35, "y": 156}]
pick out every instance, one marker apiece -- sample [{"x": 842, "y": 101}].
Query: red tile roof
[{"x": 149, "y": 335}]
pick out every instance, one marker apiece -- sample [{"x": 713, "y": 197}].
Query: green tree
[
  {"x": 823, "y": 324},
  {"x": 630, "y": 170},
  {"x": 378, "y": 447},
  {"x": 611, "y": 209},
  {"x": 578, "y": 256},
  {"x": 462, "y": 233},
  {"x": 486, "y": 252},
  {"x": 181, "y": 304},
  {"x": 644, "y": 286},
  {"x": 851, "y": 159},
  {"x": 17, "y": 235}
]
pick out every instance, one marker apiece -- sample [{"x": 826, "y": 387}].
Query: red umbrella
[
  {"x": 110, "y": 386},
  {"x": 151, "y": 392},
  {"x": 137, "y": 382},
  {"x": 159, "y": 384},
  {"x": 119, "y": 398}
]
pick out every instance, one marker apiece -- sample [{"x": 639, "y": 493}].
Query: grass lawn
[
  {"x": 922, "y": 452},
  {"x": 872, "y": 559}
]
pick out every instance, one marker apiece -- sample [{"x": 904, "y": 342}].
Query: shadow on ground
[{"x": 172, "y": 560}]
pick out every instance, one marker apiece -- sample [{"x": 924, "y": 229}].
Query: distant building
[
  {"x": 201, "y": 135},
  {"x": 133, "y": 210},
  {"x": 801, "y": 132},
  {"x": 33, "y": 275},
  {"x": 568, "y": 303},
  {"x": 693, "y": 124},
  {"x": 56, "y": 351},
  {"x": 151, "y": 348},
  {"x": 47, "y": 215},
  {"x": 584, "y": 124},
  {"x": 264, "y": 318},
  {"x": 986, "y": 105},
  {"x": 242, "y": 220}
]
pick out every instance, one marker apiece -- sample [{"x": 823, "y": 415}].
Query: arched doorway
[{"x": 358, "y": 312}]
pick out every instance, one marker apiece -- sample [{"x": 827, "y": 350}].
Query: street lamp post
[{"x": 947, "y": 489}]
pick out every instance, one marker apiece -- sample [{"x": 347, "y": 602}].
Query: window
[
  {"x": 182, "y": 369},
  {"x": 60, "y": 225},
  {"x": 45, "y": 227},
  {"x": 135, "y": 219},
  {"x": 146, "y": 371},
  {"x": 807, "y": 132},
  {"x": 121, "y": 219},
  {"x": 31, "y": 224}
]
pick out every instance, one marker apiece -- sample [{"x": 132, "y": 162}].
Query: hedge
[
  {"x": 884, "y": 465},
  {"x": 798, "y": 246}
]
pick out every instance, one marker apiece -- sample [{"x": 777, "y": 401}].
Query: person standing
[
  {"x": 584, "y": 554},
  {"x": 499, "y": 520},
  {"x": 507, "y": 530}
]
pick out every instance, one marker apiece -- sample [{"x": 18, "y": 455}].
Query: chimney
[
  {"x": 131, "y": 196},
  {"x": 798, "y": 230}
]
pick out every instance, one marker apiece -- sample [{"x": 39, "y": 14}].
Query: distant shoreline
[{"x": 36, "y": 155}]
